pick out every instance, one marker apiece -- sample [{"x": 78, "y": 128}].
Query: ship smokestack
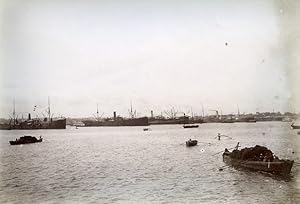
[
  {"x": 29, "y": 116},
  {"x": 115, "y": 115},
  {"x": 152, "y": 116}
]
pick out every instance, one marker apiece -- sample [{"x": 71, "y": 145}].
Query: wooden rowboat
[{"x": 191, "y": 143}]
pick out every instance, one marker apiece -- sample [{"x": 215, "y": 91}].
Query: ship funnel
[
  {"x": 29, "y": 116},
  {"x": 115, "y": 115}
]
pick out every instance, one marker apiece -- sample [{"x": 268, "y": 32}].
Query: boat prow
[{"x": 295, "y": 126}]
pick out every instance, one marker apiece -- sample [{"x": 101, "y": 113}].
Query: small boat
[
  {"x": 295, "y": 126},
  {"x": 190, "y": 126},
  {"x": 191, "y": 143},
  {"x": 26, "y": 140},
  {"x": 258, "y": 162},
  {"x": 146, "y": 129}
]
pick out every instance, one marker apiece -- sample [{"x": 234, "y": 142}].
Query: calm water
[{"x": 128, "y": 165}]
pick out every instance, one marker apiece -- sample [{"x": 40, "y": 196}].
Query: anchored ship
[
  {"x": 116, "y": 120},
  {"x": 34, "y": 123}
]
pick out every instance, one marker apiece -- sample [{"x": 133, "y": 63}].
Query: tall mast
[
  {"x": 14, "y": 111},
  {"x": 49, "y": 111},
  {"x": 132, "y": 113},
  {"x": 238, "y": 110},
  {"x": 202, "y": 111},
  {"x": 97, "y": 113},
  {"x": 131, "y": 109}
]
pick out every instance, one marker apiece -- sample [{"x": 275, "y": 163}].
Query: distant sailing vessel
[
  {"x": 244, "y": 119},
  {"x": 34, "y": 123},
  {"x": 117, "y": 121}
]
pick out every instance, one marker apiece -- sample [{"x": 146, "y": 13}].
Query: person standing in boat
[{"x": 237, "y": 146}]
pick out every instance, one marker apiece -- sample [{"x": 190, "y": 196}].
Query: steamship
[
  {"x": 117, "y": 120},
  {"x": 34, "y": 123}
]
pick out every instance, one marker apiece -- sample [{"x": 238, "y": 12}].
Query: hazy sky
[{"x": 157, "y": 54}]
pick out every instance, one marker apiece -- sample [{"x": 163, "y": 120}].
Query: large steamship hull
[
  {"x": 33, "y": 125},
  {"x": 124, "y": 122}
]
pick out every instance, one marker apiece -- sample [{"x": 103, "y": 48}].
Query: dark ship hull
[
  {"x": 181, "y": 120},
  {"x": 26, "y": 140},
  {"x": 246, "y": 120},
  {"x": 190, "y": 126},
  {"x": 191, "y": 143},
  {"x": 36, "y": 124},
  {"x": 120, "y": 122}
]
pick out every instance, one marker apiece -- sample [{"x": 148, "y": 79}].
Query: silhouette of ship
[
  {"x": 172, "y": 118},
  {"x": 26, "y": 140},
  {"x": 117, "y": 121},
  {"x": 34, "y": 123}
]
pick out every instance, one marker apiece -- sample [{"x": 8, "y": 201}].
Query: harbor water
[{"x": 129, "y": 165}]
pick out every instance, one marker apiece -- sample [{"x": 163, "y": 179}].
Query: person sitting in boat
[
  {"x": 265, "y": 158},
  {"x": 261, "y": 157},
  {"x": 40, "y": 137}
]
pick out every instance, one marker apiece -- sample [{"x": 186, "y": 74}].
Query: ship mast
[
  {"x": 132, "y": 113},
  {"x": 97, "y": 117},
  {"x": 14, "y": 112},
  {"x": 49, "y": 111},
  {"x": 97, "y": 113},
  {"x": 131, "y": 109}
]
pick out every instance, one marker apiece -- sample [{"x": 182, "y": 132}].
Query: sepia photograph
[{"x": 150, "y": 101}]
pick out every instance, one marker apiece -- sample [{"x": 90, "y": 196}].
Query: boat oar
[
  {"x": 222, "y": 167},
  {"x": 222, "y": 151},
  {"x": 223, "y": 136},
  {"x": 226, "y": 136},
  {"x": 205, "y": 142}
]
